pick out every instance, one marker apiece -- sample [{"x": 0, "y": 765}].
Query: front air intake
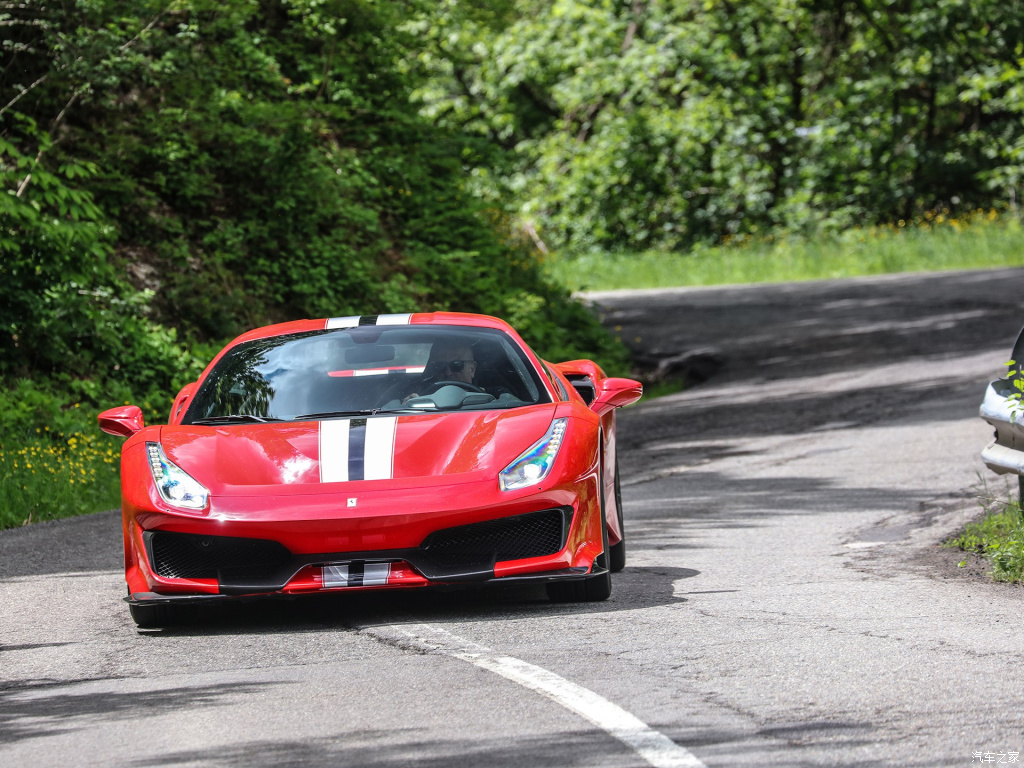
[
  {"x": 193, "y": 556},
  {"x": 536, "y": 534}
]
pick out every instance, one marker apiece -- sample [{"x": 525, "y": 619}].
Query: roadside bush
[{"x": 998, "y": 537}]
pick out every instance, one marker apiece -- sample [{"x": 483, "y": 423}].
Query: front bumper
[
  {"x": 183, "y": 560},
  {"x": 465, "y": 553},
  {"x": 1005, "y": 454}
]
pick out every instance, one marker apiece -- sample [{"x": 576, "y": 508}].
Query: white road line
[{"x": 654, "y": 747}]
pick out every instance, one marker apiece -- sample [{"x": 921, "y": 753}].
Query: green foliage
[
  {"x": 230, "y": 164},
  {"x": 998, "y": 537},
  {"x": 175, "y": 173},
  {"x": 635, "y": 125}
]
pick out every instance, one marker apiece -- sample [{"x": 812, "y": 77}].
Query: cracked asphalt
[{"x": 785, "y": 602}]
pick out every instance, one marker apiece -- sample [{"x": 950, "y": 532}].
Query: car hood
[{"x": 301, "y": 457}]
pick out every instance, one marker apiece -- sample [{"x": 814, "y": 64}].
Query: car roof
[{"x": 417, "y": 318}]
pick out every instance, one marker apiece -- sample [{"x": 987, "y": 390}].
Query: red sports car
[{"x": 374, "y": 452}]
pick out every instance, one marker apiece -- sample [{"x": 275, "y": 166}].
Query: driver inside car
[{"x": 448, "y": 362}]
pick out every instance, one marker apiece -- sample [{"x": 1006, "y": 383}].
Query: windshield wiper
[
  {"x": 344, "y": 414},
  {"x": 335, "y": 414},
  {"x": 228, "y": 418}
]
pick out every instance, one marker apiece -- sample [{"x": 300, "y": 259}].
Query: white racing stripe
[
  {"x": 353, "y": 320},
  {"x": 335, "y": 576},
  {"x": 376, "y": 574},
  {"x": 358, "y": 575},
  {"x": 334, "y": 451},
  {"x": 365, "y": 451},
  {"x": 342, "y": 322},
  {"x": 380, "y": 448},
  {"x": 394, "y": 319},
  {"x": 654, "y": 747}
]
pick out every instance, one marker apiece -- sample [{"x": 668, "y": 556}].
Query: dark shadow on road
[
  {"x": 366, "y": 749},
  {"x": 720, "y": 417},
  {"x": 30, "y": 646},
  {"x": 583, "y": 748},
  {"x": 33, "y": 709},
  {"x": 841, "y": 325},
  {"x": 695, "y": 500},
  {"x": 633, "y": 588}
]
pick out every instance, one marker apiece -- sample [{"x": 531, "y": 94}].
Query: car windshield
[{"x": 366, "y": 370}]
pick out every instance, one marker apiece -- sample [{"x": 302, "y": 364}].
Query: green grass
[
  {"x": 935, "y": 243},
  {"x": 49, "y": 477},
  {"x": 54, "y": 461},
  {"x": 998, "y": 537}
]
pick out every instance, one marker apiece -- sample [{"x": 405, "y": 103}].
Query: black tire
[
  {"x": 617, "y": 558},
  {"x": 594, "y": 588},
  {"x": 1020, "y": 490},
  {"x": 149, "y": 616}
]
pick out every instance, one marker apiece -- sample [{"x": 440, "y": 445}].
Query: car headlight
[
  {"x": 535, "y": 463},
  {"x": 176, "y": 486}
]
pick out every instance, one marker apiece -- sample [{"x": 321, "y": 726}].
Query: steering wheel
[{"x": 464, "y": 384}]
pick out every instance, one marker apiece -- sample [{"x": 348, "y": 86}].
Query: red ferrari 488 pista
[{"x": 374, "y": 452}]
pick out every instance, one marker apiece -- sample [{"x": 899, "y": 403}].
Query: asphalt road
[{"x": 785, "y": 601}]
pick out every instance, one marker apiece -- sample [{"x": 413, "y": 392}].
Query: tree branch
[
  {"x": 14, "y": 101},
  {"x": 148, "y": 27},
  {"x": 28, "y": 178},
  {"x": 60, "y": 116},
  {"x": 634, "y": 24}
]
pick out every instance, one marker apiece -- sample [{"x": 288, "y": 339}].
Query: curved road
[{"x": 785, "y": 601}]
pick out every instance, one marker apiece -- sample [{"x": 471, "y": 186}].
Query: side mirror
[
  {"x": 181, "y": 401},
  {"x": 123, "y": 421},
  {"x": 615, "y": 393}
]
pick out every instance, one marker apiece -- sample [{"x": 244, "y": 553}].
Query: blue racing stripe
[{"x": 356, "y": 449}]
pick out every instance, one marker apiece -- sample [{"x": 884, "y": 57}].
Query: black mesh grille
[
  {"x": 191, "y": 556},
  {"x": 511, "y": 538},
  {"x": 465, "y": 553}
]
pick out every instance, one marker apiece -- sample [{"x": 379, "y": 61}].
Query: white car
[{"x": 1002, "y": 408}]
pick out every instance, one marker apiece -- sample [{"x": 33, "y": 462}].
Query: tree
[{"x": 637, "y": 124}]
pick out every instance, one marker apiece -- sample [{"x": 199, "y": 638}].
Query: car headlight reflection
[
  {"x": 176, "y": 486},
  {"x": 536, "y": 462}
]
